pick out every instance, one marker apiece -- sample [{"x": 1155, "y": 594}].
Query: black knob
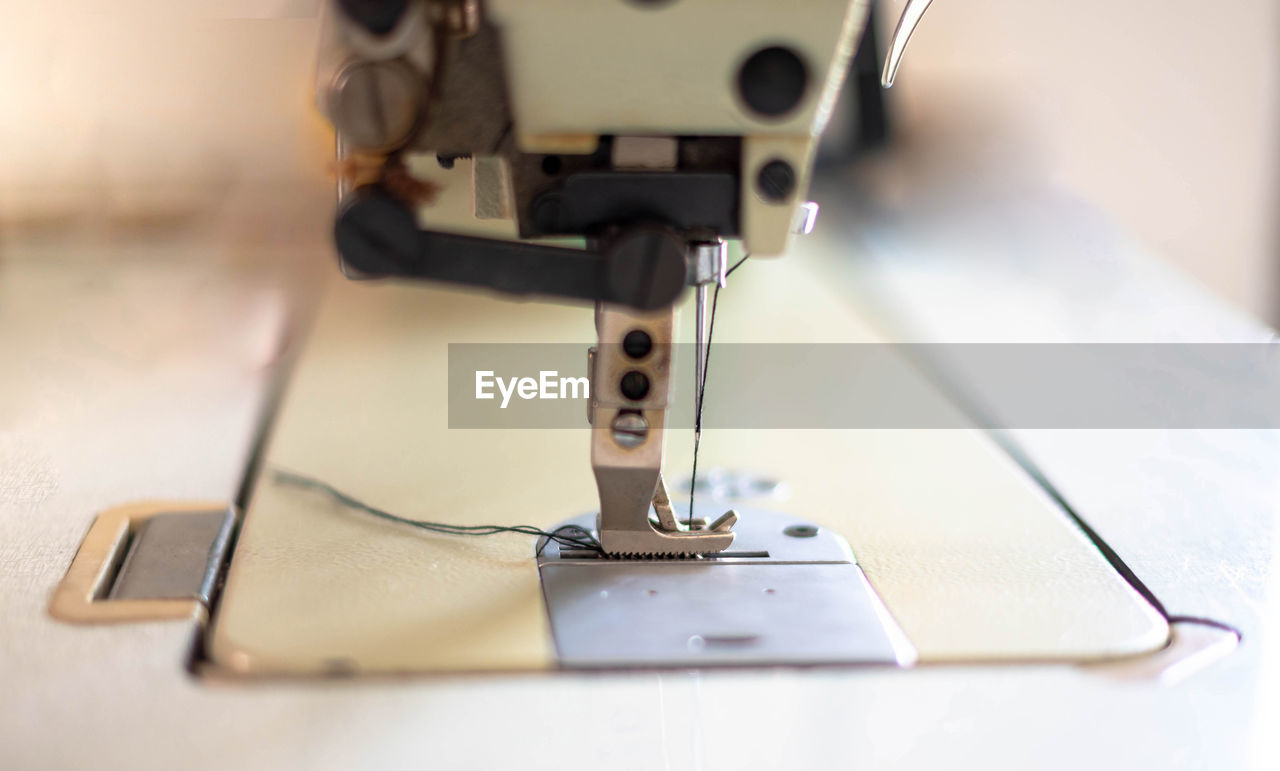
[
  {"x": 376, "y": 234},
  {"x": 772, "y": 81},
  {"x": 645, "y": 267}
]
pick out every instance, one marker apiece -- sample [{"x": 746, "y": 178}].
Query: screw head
[
  {"x": 776, "y": 181},
  {"x": 800, "y": 531},
  {"x": 374, "y": 105},
  {"x": 630, "y": 429},
  {"x": 551, "y": 165}
]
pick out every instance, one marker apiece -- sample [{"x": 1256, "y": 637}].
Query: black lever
[{"x": 642, "y": 266}]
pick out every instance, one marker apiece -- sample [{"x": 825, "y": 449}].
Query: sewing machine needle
[
  {"x": 713, "y": 263},
  {"x": 700, "y": 349}
]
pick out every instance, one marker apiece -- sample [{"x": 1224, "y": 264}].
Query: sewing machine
[
  {"x": 671, "y": 141},
  {"x": 616, "y": 155}
]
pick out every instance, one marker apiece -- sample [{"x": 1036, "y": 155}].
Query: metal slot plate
[
  {"x": 175, "y": 556},
  {"x": 146, "y": 561},
  {"x": 807, "y": 603}
]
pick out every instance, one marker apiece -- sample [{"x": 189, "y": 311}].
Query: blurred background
[
  {"x": 1165, "y": 114},
  {"x": 136, "y": 118}
]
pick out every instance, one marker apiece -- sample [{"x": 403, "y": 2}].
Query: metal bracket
[{"x": 146, "y": 562}]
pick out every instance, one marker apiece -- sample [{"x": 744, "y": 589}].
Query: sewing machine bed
[{"x": 973, "y": 560}]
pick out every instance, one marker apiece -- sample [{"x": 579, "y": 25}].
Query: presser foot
[
  {"x": 685, "y": 544},
  {"x": 664, "y": 535},
  {"x": 656, "y": 541}
]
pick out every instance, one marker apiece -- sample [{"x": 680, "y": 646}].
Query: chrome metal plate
[
  {"x": 786, "y": 593},
  {"x": 175, "y": 555}
]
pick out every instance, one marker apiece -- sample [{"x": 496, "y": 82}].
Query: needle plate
[{"x": 787, "y": 593}]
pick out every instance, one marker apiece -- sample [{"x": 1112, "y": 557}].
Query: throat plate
[{"x": 786, "y": 593}]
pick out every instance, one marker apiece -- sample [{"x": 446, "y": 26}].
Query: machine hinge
[{"x": 147, "y": 562}]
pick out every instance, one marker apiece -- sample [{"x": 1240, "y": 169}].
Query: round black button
[
  {"x": 772, "y": 81},
  {"x": 800, "y": 531},
  {"x": 637, "y": 344},
  {"x": 634, "y": 385}
]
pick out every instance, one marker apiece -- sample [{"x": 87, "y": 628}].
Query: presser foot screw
[{"x": 630, "y": 429}]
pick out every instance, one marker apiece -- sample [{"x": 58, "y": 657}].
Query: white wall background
[{"x": 1165, "y": 113}]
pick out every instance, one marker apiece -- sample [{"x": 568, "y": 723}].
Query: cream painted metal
[
  {"x": 574, "y": 64},
  {"x": 572, "y": 76},
  {"x": 577, "y": 70}
]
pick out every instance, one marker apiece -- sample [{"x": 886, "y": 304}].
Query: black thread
[
  {"x": 702, "y": 388},
  {"x": 571, "y": 536}
]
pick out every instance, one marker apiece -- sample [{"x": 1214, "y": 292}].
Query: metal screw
[
  {"x": 374, "y": 105},
  {"x": 800, "y": 531},
  {"x": 630, "y": 429},
  {"x": 776, "y": 181}
]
